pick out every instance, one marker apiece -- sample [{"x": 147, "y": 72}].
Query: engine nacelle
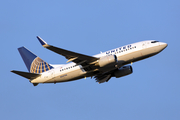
[
  {"x": 109, "y": 60},
  {"x": 123, "y": 71}
]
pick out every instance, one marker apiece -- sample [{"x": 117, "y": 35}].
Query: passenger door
[{"x": 144, "y": 45}]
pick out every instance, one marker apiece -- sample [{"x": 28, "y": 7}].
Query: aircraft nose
[{"x": 163, "y": 45}]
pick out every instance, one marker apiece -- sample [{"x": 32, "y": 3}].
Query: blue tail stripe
[{"x": 27, "y": 56}]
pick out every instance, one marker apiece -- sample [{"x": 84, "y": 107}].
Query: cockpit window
[{"x": 154, "y": 41}]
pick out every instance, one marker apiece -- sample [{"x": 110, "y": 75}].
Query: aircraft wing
[{"x": 79, "y": 59}]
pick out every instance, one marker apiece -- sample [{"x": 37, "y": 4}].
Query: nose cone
[{"x": 163, "y": 45}]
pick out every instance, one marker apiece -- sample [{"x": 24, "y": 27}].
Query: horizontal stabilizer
[{"x": 26, "y": 74}]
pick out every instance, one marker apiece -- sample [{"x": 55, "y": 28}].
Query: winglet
[{"x": 43, "y": 43}]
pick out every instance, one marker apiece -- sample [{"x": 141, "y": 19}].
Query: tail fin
[{"x": 33, "y": 63}]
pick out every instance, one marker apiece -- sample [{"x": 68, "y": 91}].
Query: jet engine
[
  {"x": 123, "y": 71},
  {"x": 109, "y": 60}
]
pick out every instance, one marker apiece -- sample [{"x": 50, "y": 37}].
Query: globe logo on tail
[{"x": 39, "y": 66}]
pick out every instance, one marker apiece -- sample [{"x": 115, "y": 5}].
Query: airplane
[{"x": 102, "y": 67}]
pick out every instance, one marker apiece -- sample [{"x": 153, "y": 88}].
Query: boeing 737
[{"x": 101, "y": 67}]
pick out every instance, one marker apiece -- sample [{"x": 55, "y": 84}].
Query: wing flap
[{"x": 102, "y": 78}]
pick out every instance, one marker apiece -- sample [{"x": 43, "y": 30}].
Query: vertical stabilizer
[{"x": 33, "y": 63}]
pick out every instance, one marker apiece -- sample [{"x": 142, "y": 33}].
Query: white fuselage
[{"x": 125, "y": 55}]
